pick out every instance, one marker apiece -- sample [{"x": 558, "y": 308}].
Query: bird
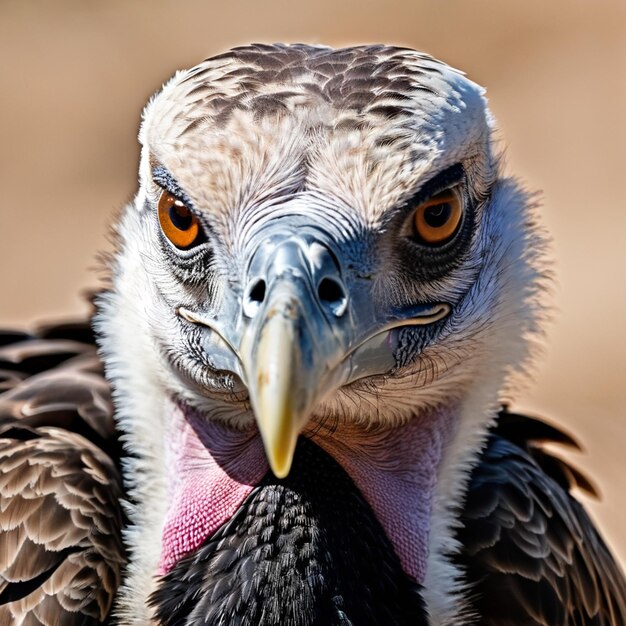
[{"x": 292, "y": 404}]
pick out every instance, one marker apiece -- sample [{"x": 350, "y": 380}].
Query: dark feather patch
[{"x": 532, "y": 555}]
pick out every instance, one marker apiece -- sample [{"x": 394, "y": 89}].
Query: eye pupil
[
  {"x": 180, "y": 216},
  {"x": 437, "y": 215}
]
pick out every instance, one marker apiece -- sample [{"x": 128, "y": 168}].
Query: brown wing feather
[{"x": 60, "y": 519}]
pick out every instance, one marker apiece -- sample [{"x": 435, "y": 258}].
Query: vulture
[{"x": 291, "y": 404}]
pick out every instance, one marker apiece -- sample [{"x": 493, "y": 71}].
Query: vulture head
[{"x": 323, "y": 255}]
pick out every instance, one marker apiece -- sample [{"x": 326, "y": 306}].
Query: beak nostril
[
  {"x": 257, "y": 293},
  {"x": 254, "y": 299},
  {"x": 330, "y": 291}
]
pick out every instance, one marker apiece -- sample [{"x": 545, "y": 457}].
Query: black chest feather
[{"x": 303, "y": 551}]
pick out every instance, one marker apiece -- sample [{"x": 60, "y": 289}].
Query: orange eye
[
  {"x": 179, "y": 224},
  {"x": 437, "y": 220}
]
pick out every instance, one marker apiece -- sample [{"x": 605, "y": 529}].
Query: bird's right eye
[{"x": 178, "y": 223}]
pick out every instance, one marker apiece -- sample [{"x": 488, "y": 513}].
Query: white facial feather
[{"x": 244, "y": 160}]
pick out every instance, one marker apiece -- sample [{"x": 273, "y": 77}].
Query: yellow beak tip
[
  {"x": 281, "y": 460},
  {"x": 280, "y": 472}
]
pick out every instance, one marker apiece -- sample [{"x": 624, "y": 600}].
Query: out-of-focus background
[{"x": 74, "y": 76}]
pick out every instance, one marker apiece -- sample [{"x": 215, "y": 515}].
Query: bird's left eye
[
  {"x": 437, "y": 220},
  {"x": 178, "y": 223}
]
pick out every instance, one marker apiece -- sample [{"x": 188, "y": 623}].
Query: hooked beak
[
  {"x": 290, "y": 365},
  {"x": 302, "y": 336},
  {"x": 307, "y": 340}
]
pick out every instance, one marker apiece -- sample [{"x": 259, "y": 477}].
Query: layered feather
[{"x": 61, "y": 552}]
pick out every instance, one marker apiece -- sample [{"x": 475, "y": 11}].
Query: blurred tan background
[{"x": 75, "y": 74}]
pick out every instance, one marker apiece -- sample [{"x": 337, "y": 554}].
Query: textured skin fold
[{"x": 303, "y": 551}]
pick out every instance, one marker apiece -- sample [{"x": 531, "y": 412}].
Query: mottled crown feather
[
  {"x": 260, "y": 109},
  {"x": 366, "y": 83}
]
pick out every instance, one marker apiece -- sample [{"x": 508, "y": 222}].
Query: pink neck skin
[{"x": 214, "y": 468}]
